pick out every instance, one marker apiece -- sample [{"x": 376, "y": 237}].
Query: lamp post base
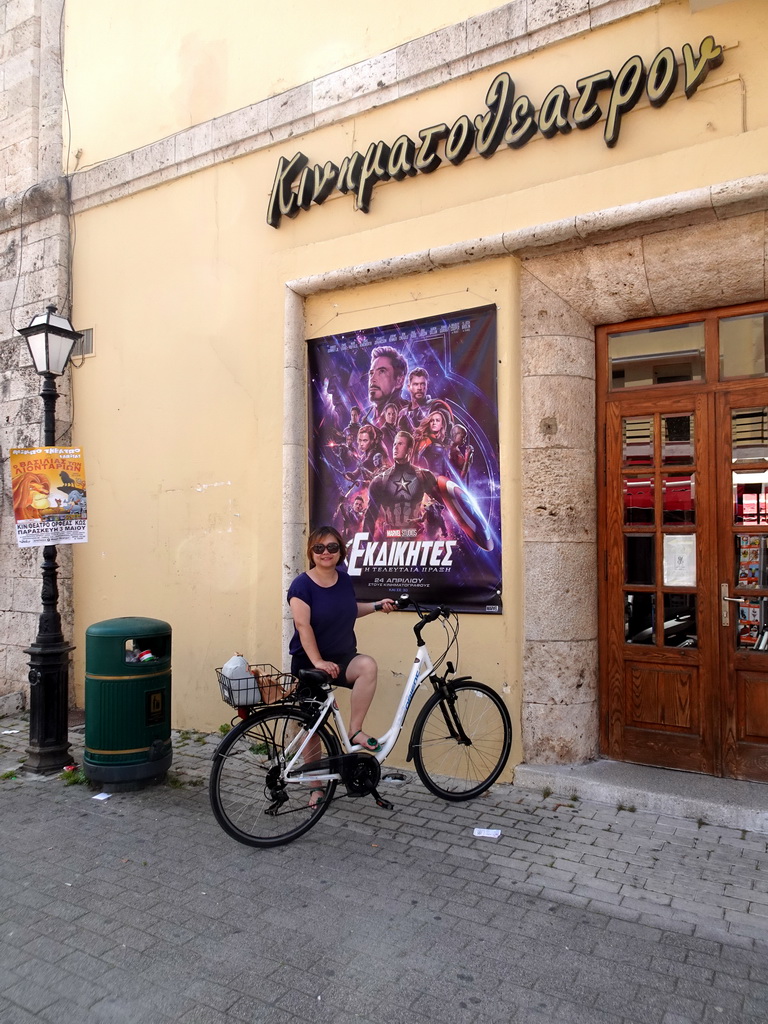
[{"x": 48, "y": 748}]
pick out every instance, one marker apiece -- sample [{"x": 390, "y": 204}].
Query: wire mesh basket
[{"x": 264, "y": 684}]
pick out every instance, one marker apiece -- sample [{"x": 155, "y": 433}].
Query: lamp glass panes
[{"x": 50, "y": 338}]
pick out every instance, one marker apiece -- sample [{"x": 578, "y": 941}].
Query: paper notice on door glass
[{"x": 680, "y": 561}]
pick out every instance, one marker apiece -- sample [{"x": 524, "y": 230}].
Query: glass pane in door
[
  {"x": 678, "y": 497},
  {"x": 749, "y": 435},
  {"x": 750, "y": 501},
  {"x": 744, "y": 346},
  {"x": 640, "y": 559},
  {"x": 680, "y": 620},
  {"x": 638, "y": 500},
  {"x": 656, "y": 355},
  {"x": 637, "y": 440},
  {"x": 677, "y": 440},
  {"x": 639, "y": 614}
]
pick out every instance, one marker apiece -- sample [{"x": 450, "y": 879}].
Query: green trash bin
[{"x": 127, "y": 701}]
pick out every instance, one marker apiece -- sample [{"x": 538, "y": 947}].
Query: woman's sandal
[
  {"x": 371, "y": 745},
  {"x": 316, "y": 797}
]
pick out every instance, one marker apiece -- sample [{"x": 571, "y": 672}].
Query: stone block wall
[
  {"x": 559, "y": 714},
  {"x": 34, "y": 262},
  {"x": 691, "y": 251}
]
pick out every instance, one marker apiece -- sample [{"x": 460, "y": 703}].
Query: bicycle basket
[{"x": 263, "y": 685}]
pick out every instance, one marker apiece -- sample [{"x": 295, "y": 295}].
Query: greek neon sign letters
[{"x": 510, "y": 120}]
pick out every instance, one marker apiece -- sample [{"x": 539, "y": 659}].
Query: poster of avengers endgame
[{"x": 404, "y": 457}]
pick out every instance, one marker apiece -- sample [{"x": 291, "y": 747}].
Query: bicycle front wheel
[
  {"x": 253, "y": 797},
  {"x": 461, "y": 741}
]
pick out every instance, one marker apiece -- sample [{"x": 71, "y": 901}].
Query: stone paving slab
[
  {"x": 140, "y": 909},
  {"x": 728, "y": 802}
]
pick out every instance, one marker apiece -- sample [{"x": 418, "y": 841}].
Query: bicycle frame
[
  {"x": 421, "y": 669},
  {"x": 289, "y": 757}
]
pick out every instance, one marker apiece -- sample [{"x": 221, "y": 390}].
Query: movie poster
[
  {"x": 404, "y": 457},
  {"x": 49, "y": 496}
]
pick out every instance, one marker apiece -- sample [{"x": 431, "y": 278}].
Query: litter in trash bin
[
  {"x": 487, "y": 833},
  {"x": 136, "y": 654}
]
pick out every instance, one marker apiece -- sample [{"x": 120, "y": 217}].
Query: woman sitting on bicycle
[{"x": 324, "y": 609}]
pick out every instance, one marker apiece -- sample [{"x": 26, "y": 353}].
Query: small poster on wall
[
  {"x": 404, "y": 457},
  {"x": 49, "y": 496}
]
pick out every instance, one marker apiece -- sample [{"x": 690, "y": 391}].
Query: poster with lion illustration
[{"x": 50, "y": 503}]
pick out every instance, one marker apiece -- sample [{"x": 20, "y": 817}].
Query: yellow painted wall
[
  {"x": 162, "y": 67},
  {"x": 720, "y": 134},
  {"x": 491, "y": 646},
  {"x": 180, "y": 409}
]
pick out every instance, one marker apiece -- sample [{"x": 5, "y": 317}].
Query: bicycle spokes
[
  {"x": 253, "y": 796},
  {"x": 461, "y": 741}
]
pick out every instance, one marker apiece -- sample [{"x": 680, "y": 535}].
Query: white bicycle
[{"x": 266, "y": 769}]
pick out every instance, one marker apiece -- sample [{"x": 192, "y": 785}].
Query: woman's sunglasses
[{"x": 331, "y": 548}]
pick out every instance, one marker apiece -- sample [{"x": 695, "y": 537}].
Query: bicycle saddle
[{"x": 314, "y": 676}]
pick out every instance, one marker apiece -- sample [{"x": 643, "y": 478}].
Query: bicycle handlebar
[{"x": 404, "y": 600}]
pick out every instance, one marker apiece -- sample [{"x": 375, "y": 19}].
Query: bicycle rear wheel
[
  {"x": 251, "y": 797},
  {"x": 461, "y": 742}
]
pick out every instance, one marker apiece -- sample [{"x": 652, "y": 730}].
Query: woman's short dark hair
[{"x": 316, "y": 537}]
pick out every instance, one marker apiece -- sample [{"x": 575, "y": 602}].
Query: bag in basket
[
  {"x": 269, "y": 684},
  {"x": 243, "y": 684}
]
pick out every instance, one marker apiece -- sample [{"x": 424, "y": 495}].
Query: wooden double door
[{"x": 683, "y": 574}]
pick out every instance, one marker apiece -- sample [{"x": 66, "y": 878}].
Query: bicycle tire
[
  {"x": 249, "y": 798},
  {"x": 449, "y": 767}
]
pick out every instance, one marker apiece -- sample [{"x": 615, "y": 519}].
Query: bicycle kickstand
[{"x": 381, "y": 802}]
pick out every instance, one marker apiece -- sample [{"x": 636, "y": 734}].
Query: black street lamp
[{"x": 51, "y": 339}]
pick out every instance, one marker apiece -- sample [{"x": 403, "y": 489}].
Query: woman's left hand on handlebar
[{"x": 388, "y": 605}]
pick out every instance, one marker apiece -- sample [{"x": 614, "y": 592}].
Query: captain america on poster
[{"x": 404, "y": 456}]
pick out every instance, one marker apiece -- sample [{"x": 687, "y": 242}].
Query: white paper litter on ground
[
  {"x": 102, "y": 796},
  {"x": 10, "y": 732},
  {"x": 487, "y": 833}
]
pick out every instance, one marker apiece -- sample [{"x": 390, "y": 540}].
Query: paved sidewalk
[{"x": 140, "y": 909}]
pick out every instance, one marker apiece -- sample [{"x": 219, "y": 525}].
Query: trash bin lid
[{"x": 129, "y": 626}]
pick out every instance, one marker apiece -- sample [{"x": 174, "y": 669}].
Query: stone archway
[{"x": 656, "y": 269}]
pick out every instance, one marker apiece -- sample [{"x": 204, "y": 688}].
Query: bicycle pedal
[{"x": 381, "y": 802}]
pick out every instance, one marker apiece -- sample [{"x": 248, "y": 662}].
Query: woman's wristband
[{"x": 378, "y": 605}]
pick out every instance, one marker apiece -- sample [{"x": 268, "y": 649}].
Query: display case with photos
[
  {"x": 752, "y": 574},
  {"x": 751, "y": 562},
  {"x": 753, "y": 624}
]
